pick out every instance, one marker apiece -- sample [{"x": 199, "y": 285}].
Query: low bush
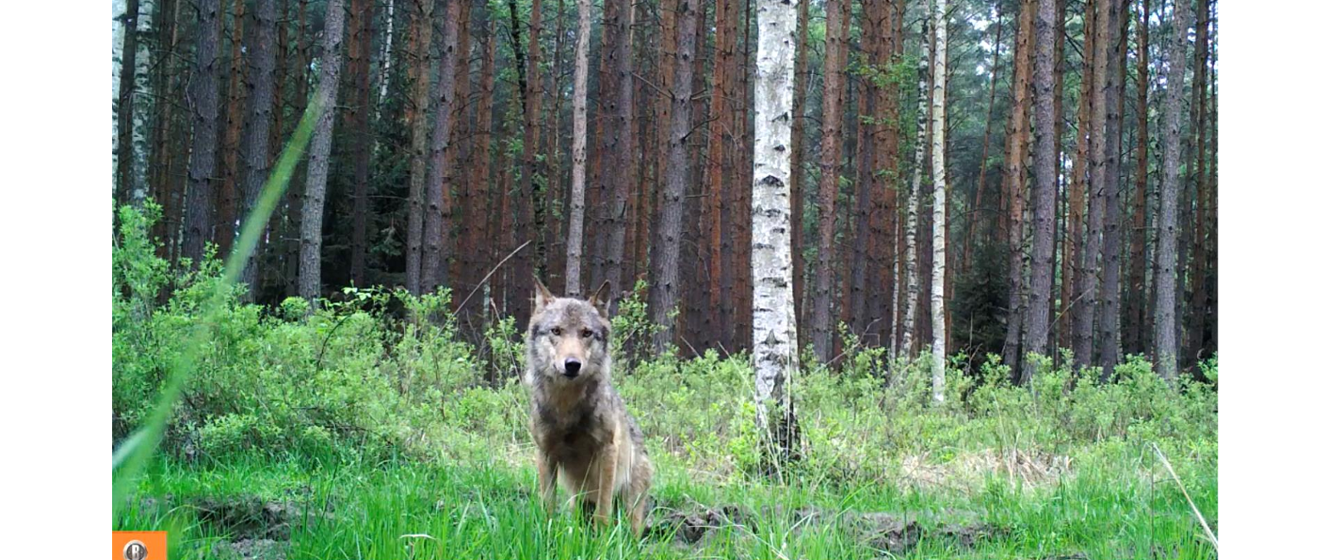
[{"x": 348, "y": 379}]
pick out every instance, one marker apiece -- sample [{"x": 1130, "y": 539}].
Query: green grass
[{"x": 1119, "y": 506}]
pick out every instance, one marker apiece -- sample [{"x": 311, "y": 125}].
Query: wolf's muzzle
[{"x": 572, "y": 368}]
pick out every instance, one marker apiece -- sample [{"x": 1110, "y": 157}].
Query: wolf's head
[{"x": 568, "y": 338}]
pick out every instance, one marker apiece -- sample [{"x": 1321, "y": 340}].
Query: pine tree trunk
[
  {"x": 164, "y": 22},
  {"x": 1044, "y": 188},
  {"x": 478, "y": 213},
  {"x": 530, "y": 220},
  {"x": 774, "y": 333},
  {"x": 1165, "y": 323},
  {"x": 1085, "y": 316},
  {"x": 124, "y": 108},
  {"x": 1070, "y": 265},
  {"x": 714, "y": 193},
  {"x": 311, "y": 228},
  {"x": 230, "y": 142},
  {"x": 257, "y": 133},
  {"x": 1199, "y": 263},
  {"x": 1014, "y": 185},
  {"x": 417, "y": 114},
  {"x": 831, "y": 123},
  {"x": 986, "y": 143},
  {"x": 664, "y": 270},
  {"x": 576, "y": 214},
  {"x": 939, "y": 194},
  {"x": 1108, "y": 337},
  {"x": 1135, "y": 337},
  {"x": 796, "y": 173},
  {"x": 437, "y": 190},
  {"x": 358, "y": 51},
  {"x": 621, "y": 146},
  {"x": 203, "y": 151}
]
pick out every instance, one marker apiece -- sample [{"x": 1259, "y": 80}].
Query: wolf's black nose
[{"x": 572, "y": 367}]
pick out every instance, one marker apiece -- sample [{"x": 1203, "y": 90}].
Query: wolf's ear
[
  {"x": 599, "y": 299},
  {"x": 543, "y": 296}
]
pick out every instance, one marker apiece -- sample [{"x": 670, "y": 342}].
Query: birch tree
[
  {"x": 774, "y": 327},
  {"x": 577, "y": 213},
  {"x": 311, "y": 228},
  {"x": 938, "y": 206},
  {"x": 1164, "y": 325},
  {"x": 914, "y": 197},
  {"x": 124, "y": 108}
]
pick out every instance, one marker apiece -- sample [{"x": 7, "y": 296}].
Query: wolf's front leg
[
  {"x": 608, "y": 471},
  {"x": 548, "y": 481}
]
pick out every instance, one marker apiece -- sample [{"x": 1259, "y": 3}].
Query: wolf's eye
[
  {"x": 586, "y": 333},
  {"x": 557, "y": 331}
]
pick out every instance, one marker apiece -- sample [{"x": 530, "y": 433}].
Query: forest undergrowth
[{"x": 371, "y": 426}]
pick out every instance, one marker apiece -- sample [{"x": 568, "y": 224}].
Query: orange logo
[{"x": 138, "y": 545}]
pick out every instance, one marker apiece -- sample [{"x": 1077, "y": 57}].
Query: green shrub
[{"x": 347, "y": 379}]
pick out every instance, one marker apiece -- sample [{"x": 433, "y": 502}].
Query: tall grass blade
[{"x": 129, "y": 459}]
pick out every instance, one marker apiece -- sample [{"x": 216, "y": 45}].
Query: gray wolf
[{"x": 584, "y": 437}]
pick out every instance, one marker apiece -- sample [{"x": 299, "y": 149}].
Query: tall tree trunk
[
  {"x": 1199, "y": 263},
  {"x": 1165, "y": 323},
  {"x": 385, "y": 70},
  {"x": 796, "y": 172},
  {"x": 124, "y": 108},
  {"x": 745, "y": 131},
  {"x": 915, "y": 195},
  {"x": 1086, "y": 309},
  {"x": 1108, "y": 337},
  {"x": 1014, "y": 184},
  {"x": 203, "y": 151},
  {"x": 1136, "y": 290},
  {"x": 164, "y": 22},
  {"x": 417, "y": 114},
  {"x": 939, "y": 194},
  {"x": 719, "y": 131},
  {"x": 478, "y": 213},
  {"x": 1044, "y": 188},
  {"x": 257, "y": 133},
  {"x": 664, "y": 269},
  {"x": 530, "y": 224},
  {"x": 622, "y": 145},
  {"x": 576, "y": 216},
  {"x": 311, "y": 228},
  {"x": 831, "y": 123},
  {"x": 437, "y": 191},
  {"x": 986, "y": 143},
  {"x": 1070, "y": 265},
  {"x": 358, "y": 51},
  {"x": 230, "y": 142},
  {"x": 1058, "y": 114},
  {"x": 774, "y": 333}
]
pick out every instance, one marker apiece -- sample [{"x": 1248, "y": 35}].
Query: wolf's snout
[{"x": 572, "y": 367}]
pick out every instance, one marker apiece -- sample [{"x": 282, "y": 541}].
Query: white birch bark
[
  {"x": 577, "y": 213},
  {"x": 938, "y": 207},
  {"x": 774, "y": 327},
  {"x": 914, "y": 197},
  {"x": 385, "y": 72}
]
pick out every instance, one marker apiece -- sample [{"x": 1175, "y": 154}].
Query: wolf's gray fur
[{"x": 583, "y": 435}]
